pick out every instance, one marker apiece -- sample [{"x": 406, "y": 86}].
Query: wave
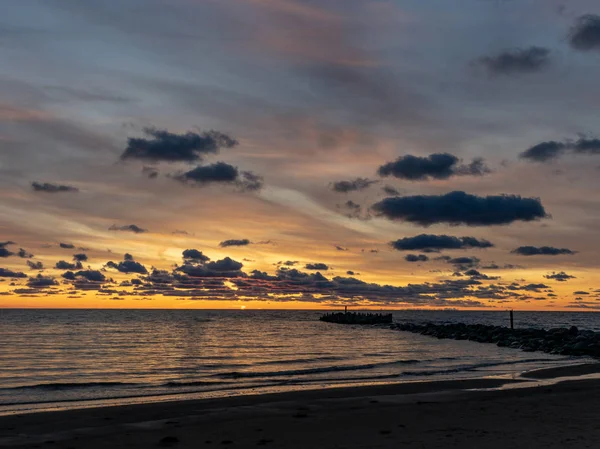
[
  {"x": 70, "y": 385},
  {"x": 308, "y": 371},
  {"x": 192, "y": 383}
]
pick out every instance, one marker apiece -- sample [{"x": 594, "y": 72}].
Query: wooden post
[
  {"x": 345, "y": 309},
  {"x": 512, "y": 323}
]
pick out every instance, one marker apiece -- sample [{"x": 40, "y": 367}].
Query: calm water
[{"x": 61, "y": 357}]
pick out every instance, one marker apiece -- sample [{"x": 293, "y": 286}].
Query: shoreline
[{"x": 141, "y": 425}]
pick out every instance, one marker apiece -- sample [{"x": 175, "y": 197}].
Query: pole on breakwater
[
  {"x": 345, "y": 309},
  {"x": 512, "y": 322}
]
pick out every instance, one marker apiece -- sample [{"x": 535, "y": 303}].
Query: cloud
[
  {"x": 541, "y": 251},
  {"x": 128, "y": 265},
  {"x": 88, "y": 275},
  {"x": 234, "y": 242},
  {"x": 317, "y": 266},
  {"x": 416, "y": 258},
  {"x": 64, "y": 265},
  {"x": 53, "y": 188},
  {"x": 41, "y": 281},
  {"x": 352, "y": 185},
  {"x": 35, "y": 265},
  {"x": 585, "y": 34},
  {"x": 390, "y": 190},
  {"x": 6, "y": 273},
  {"x": 194, "y": 255},
  {"x": 129, "y": 228},
  {"x": 220, "y": 172},
  {"x": 162, "y": 145},
  {"x": 67, "y": 245},
  {"x": 552, "y": 150},
  {"x": 434, "y": 243},
  {"x": 434, "y": 166},
  {"x": 517, "y": 60},
  {"x": 464, "y": 263},
  {"x": 80, "y": 257},
  {"x": 560, "y": 277},
  {"x": 544, "y": 152},
  {"x": 226, "y": 264},
  {"x": 4, "y": 252},
  {"x": 24, "y": 254},
  {"x": 456, "y": 208}
]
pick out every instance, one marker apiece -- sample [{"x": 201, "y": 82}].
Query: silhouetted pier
[{"x": 357, "y": 318}]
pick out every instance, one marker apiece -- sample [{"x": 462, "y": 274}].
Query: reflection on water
[{"x": 65, "y": 355}]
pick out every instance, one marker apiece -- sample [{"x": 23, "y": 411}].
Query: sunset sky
[{"x": 300, "y": 153}]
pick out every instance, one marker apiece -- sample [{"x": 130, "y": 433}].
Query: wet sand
[{"x": 420, "y": 415}]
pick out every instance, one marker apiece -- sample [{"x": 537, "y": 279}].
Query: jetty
[
  {"x": 357, "y": 318},
  {"x": 563, "y": 341}
]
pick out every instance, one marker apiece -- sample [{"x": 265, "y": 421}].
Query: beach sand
[{"x": 420, "y": 415}]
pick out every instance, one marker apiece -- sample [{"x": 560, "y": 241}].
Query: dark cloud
[
  {"x": 416, "y": 258},
  {"x": 22, "y": 253},
  {"x": 88, "y": 275},
  {"x": 518, "y": 60},
  {"x": 162, "y": 145},
  {"x": 226, "y": 264},
  {"x": 220, "y": 172},
  {"x": 41, "y": 282},
  {"x": 390, "y": 190},
  {"x": 317, "y": 266},
  {"x": 434, "y": 243},
  {"x": 541, "y": 251},
  {"x": 130, "y": 228},
  {"x": 581, "y": 292},
  {"x": 464, "y": 263},
  {"x": 64, "y": 265},
  {"x": 353, "y": 185},
  {"x": 66, "y": 245},
  {"x": 150, "y": 172},
  {"x": 234, "y": 242},
  {"x": 80, "y": 257},
  {"x": 194, "y": 255},
  {"x": 52, "y": 188},
  {"x": 128, "y": 265},
  {"x": 474, "y": 274},
  {"x": 434, "y": 166},
  {"x": 6, "y": 273},
  {"x": 35, "y": 265},
  {"x": 545, "y": 151},
  {"x": 4, "y": 252},
  {"x": 551, "y": 150},
  {"x": 226, "y": 268},
  {"x": 456, "y": 208},
  {"x": 127, "y": 256},
  {"x": 340, "y": 248},
  {"x": 585, "y": 34},
  {"x": 560, "y": 277}
]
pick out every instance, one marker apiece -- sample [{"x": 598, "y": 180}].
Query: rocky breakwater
[{"x": 562, "y": 341}]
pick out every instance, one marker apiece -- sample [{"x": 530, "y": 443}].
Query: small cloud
[
  {"x": 560, "y": 277},
  {"x": 66, "y": 245},
  {"x": 163, "y": 146},
  {"x": 194, "y": 255},
  {"x": 234, "y": 242},
  {"x": 416, "y": 258},
  {"x": 6, "y": 273},
  {"x": 435, "y": 243},
  {"x": 352, "y": 185},
  {"x": 317, "y": 266},
  {"x": 129, "y": 228},
  {"x": 513, "y": 61},
  {"x": 52, "y": 188},
  {"x": 541, "y": 251},
  {"x": 585, "y": 34},
  {"x": 434, "y": 166}
]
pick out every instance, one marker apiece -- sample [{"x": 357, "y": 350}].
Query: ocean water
[{"x": 73, "y": 358}]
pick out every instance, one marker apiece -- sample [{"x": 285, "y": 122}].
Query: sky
[{"x": 300, "y": 154}]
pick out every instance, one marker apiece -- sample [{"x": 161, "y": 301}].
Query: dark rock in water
[
  {"x": 357, "y": 318},
  {"x": 555, "y": 341}
]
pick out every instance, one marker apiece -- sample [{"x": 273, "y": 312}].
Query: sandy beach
[{"x": 420, "y": 415}]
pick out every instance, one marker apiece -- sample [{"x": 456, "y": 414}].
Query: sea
[{"x": 61, "y": 359}]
